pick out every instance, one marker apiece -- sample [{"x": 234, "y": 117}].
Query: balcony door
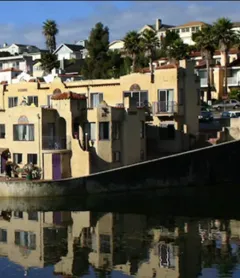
[{"x": 165, "y": 99}]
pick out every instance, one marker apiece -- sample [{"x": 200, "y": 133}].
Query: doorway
[
  {"x": 56, "y": 166},
  {"x": 165, "y": 99}
]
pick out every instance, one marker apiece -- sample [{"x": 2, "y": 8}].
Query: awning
[{"x": 3, "y": 150}]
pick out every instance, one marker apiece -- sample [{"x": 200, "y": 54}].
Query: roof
[
  {"x": 68, "y": 95},
  {"x": 216, "y": 53},
  {"x": 73, "y": 47},
  {"x": 192, "y": 23},
  {"x": 11, "y": 69}
]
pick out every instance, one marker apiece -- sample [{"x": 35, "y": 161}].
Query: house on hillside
[{"x": 70, "y": 51}]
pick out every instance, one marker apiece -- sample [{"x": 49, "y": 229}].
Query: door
[
  {"x": 165, "y": 98},
  {"x": 56, "y": 166},
  {"x": 51, "y": 134},
  {"x": 3, "y": 164}
]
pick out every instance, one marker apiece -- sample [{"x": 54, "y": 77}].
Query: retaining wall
[{"x": 208, "y": 166}]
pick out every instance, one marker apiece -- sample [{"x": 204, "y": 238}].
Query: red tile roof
[
  {"x": 4, "y": 83},
  {"x": 11, "y": 69},
  {"x": 217, "y": 52},
  {"x": 68, "y": 95}
]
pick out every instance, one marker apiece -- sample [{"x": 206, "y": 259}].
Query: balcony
[
  {"x": 203, "y": 82},
  {"x": 233, "y": 81},
  {"x": 56, "y": 143},
  {"x": 164, "y": 108}
]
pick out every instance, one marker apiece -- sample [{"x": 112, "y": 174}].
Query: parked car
[
  {"x": 230, "y": 114},
  {"x": 205, "y": 116},
  {"x": 231, "y": 103}
]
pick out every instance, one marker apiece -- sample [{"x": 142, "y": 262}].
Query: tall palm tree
[
  {"x": 226, "y": 38},
  {"x": 50, "y": 30},
  {"x": 150, "y": 42},
  {"x": 205, "y": 42},
  {"x": 178, "y": 50},
  {"x": 133, "y": 46}
]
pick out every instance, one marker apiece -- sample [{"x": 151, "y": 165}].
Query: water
[{"x": 120, "y": 236}]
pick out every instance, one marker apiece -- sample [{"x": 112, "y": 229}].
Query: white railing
[
  {"x": 233, "y": 80},
  {"x": 164, "y": 107},
  {"x": 203, "y": 82}
]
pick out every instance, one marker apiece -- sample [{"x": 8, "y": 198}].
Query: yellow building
[{"x": 72, "y": 129}]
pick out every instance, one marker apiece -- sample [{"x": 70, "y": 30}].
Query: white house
[
  {"x": 116, "y": 45},
  {"x": 70, "y": 51}
]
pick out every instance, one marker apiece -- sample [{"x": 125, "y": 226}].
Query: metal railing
[
  {"x": 164, "y": 107},
  {"x": 56, "y": 143}
]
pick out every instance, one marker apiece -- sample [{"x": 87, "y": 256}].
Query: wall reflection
[{"x": 136, "y": 245}]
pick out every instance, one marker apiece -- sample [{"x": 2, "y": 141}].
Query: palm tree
[
  {"x": 177, "y": 51},
  {"x": 150, "y": 43},
  {"x": 205, "y": 42},
  {"x": 50, "y": 30},
  {"x": 133, "y": 46},
  {"x": 226, "y": 38}
]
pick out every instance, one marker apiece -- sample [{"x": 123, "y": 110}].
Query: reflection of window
[
  {"x": 96, "y": 99},
  {"x": 32, "y": 158},
  {"x": 3, "y": 235},
  {"x": 33, "y": 216},
  {"x": 18, "y": 214},
  {"x": 90, "y": 129},
  {"x": 2, "y": 131},
  {"x": 116, "y": 130},
  {"x": 25, "y": 239},
  {"x": 12, "y": 102},
  {"x": 105, "y": 246},
  {"x": 23, "y": 132},
  {"x": 104, "y": 131},
  {"x": 17, "y": 158},
  {"x": 32, "y": 99},
  {"x": 138, "y": 98}
]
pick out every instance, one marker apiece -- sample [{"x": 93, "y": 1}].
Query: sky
[{"x": 21, "y": 21}]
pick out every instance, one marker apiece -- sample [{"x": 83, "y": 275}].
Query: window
[
  {"x": 17, "y": 158},
  {"x": 33, "y": 216},
  {"x": 116, "y": 156},
  {"x": 105, "y": 245},
  {"x": 197, "y": 28},
  {"x": 116, "y": 127},
  {"x": 142, "y": 130},
  {"x": 32, "y": 99},
  {"x": 187, "y": 29},
  {"x": 18, "y": 214},
  {"x": 138, "y": 98},
  {"x": 32, "y": 158},
  {"x": 25, "y": 239},
  {"x": 104, "y": 131},
  {"x": 90, "y": 129},
  {"x": 12, "y": 102},
  {"x": 23, "y": 132},
  {"x": 167, "y": 132},
  {"x": 1, "y": 66},
  {"x": 3, "y": 235},
  {"x": 17, "y": 65},
  {"x": 96, "y": 99},
  {"x": 193, "y": 29},
  {"x": 2, "y": 131}
]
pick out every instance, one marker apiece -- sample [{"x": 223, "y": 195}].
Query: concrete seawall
[{"x": 203, "y": 167}]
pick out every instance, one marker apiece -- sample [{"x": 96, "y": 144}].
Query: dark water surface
[{"x": 141, "y": 235}]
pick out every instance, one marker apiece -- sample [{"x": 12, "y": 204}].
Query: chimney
[{"x": 158, "y": 24}]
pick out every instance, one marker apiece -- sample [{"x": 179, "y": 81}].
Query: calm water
[{"x": 124, "y": 236}]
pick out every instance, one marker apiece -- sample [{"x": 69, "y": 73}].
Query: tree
[
  {"x": 226, "y": 38},
  {"x": 133, "y": 46},
  {"x": 50, "y": 30},
  {"x": 178, "y": 50},
  {"x": 150, "y": 43},
  {"x": 205, "y": 43},
  {"x": 96, "y": 65},
  {"x": 48, "y": 62},
  {"x": 169, "y": 39}
]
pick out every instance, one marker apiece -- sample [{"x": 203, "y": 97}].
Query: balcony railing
[
  {"x": 164, "y": 107},
  {"x": 56, "y": 143},
  {"x": 233, "y": 81},
  {"x": 203, "y": 82}
]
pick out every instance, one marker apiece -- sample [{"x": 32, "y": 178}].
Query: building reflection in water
[{"x": 136, "y": 245}]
